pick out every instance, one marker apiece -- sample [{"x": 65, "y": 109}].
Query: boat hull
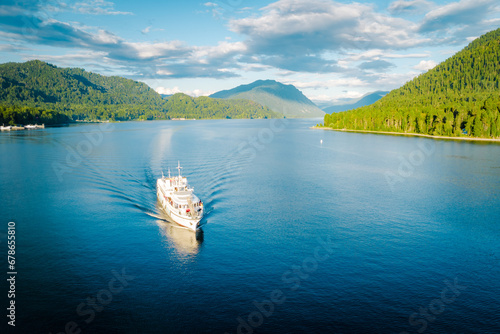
[{"x": 190, "y": 223}]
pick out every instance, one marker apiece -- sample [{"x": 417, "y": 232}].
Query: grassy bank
[{"x": 410, "y": 134}]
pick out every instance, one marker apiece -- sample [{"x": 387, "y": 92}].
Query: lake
[{"x": 306, "y": 231}]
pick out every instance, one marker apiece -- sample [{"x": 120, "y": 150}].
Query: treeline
[
  {"x": 182, "y": 105},
  {"x": 27, "y": 115},
  {"x": 459, "y": 97},
  {"x": 81, "y": 95}
]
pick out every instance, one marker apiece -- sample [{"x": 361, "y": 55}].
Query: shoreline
[{"x": 409, "y": 134}]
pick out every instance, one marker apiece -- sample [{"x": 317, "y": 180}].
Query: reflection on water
[{"x": 185, "y": 241}]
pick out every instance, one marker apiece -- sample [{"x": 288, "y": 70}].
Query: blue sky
[{"x": 328, "y": 49}]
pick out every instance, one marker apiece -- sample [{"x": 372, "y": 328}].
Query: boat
[
  {"x": 35, "y": 126},
  {"x": 5, "y": 128},
  {"x": 178, "y": 200}
]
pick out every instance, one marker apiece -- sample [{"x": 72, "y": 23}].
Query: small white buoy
[{"x": 321, "y": 141}]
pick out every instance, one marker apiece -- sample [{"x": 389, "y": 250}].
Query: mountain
[
  {"x": 35, "y": 87},
  {"x": 365, "y": 100},
  {"x": 459, "y": 97},
  {"x": 204, "y": 107},
  {"x": 285, "y": 99}
]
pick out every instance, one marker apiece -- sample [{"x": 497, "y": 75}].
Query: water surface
[{"x": 359, "y": 234}]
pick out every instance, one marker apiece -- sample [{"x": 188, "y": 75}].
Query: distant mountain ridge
[
  {"x": 459, "y": 97},
  {"x": 365, "y": 100},
  {"x": 35, "y": 86},
  {"x": 285, "y": 99}
]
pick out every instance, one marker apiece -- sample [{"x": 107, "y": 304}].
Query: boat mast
[
  {"x": 179, "y": 168},
  {"x": 169, "y": 172}
]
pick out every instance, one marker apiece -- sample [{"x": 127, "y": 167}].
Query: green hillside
[
  {"x": 35, "y": 90},
  {"x": 285, "y": 99},
  {"x": 182, "y": 105},
  {"x": 459, "y": 97}
]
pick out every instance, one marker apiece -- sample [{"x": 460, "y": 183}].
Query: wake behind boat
[{"x": 178, "y": 200}]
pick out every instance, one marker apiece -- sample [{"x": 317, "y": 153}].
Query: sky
[{"x": 330, "y": 50}]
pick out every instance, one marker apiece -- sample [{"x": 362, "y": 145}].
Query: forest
[
  {"x": 36, "y": 91},
  {"x": 459, "y": 97}
]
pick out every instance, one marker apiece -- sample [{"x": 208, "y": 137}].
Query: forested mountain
[
  {"x": 182, "y": 105},
  {"x": 459, "y": 97},
  {"x": 365, "y": 100},
  {"x": 35, "y": 90},
  {"x": 285, "y": 99}
]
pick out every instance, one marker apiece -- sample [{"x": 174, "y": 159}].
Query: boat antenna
[
  {"x": 169, "y": 172},
  {"x": 179, "y": 167},
  {"x": 162, "y": 175}
]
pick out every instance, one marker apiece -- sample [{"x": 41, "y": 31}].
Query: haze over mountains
[
  {"x": 348, "y": 104},
  {"x": 285, "y": 99}
]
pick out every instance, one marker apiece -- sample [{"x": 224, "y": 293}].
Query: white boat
[
  {"x": 5, "y": 128},
  {"x": 178, "y": 200},
  {"x": 34, "y": 126}
]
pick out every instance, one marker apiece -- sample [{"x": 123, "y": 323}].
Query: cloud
[
  {"x": 186, "y": 70},
  {"x": 168, "y": 91},
  {"x": 459, "y": 13},
  {"x": 300, "y": 26},
  {"x": 387, "y": 81},
  {"x": 150, "y": 51},
  {"x": 409, "y": 6},
  {"x": 223, "y": 50},
  {"x": 425, "y": 65},
  {"x": 376, "y": 54},
  {"x": 353, "y": 40},
  {"x": 376, "y": 65},
  {"x": 12, "y": 48},
  {"x": 340, "y": 82},
  {"x": 97, "y": 7},
  {"x": 214, "y": 9},
  {"x": 297, "y": 35},
  {"x": 167, "y": 59},
  {"x": 345, "y": 95},
  {"x": 297, "y": 63},
  {"x": 175, "y": 90}
]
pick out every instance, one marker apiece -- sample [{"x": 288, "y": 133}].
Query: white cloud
[
  {"x": 97, "y": 7},
  {"x": 200, "y": 92},
  {"x": 315, "y": 26},
  {"x": 425, "y": 65},
  {"x": 340, "y": 82},
  {"x": 377, "y": 54},
  {"x": 337, "y": 97},
  {"x": 409, "y": 6},
  {"x": 222, "y": 49},
  {"x": 106, "y": 37},
  {"x": 163, "y": 72},
  {"x": 339, "y": 44},
  {"x": 175, "y": 90},
  {"x": 458, "y": 13},
  {"x": 146, "y": 50},
  {"x": 386, "y": 81},
  {"x": 168, "y": 91}
]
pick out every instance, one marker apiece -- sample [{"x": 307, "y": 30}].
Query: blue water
[{"x": 361, "y": 233}]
